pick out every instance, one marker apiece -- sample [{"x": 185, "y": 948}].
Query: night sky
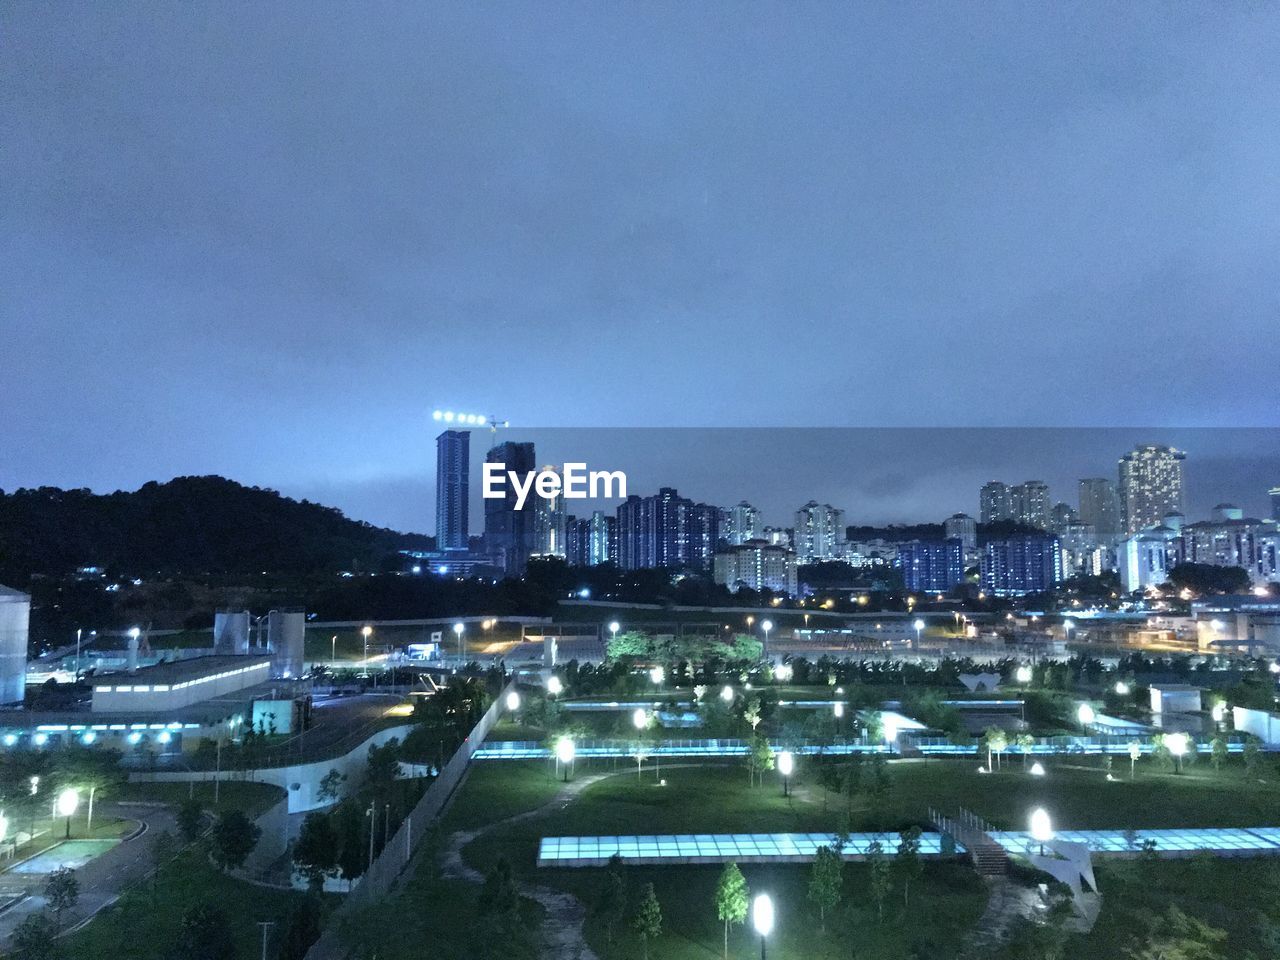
[{"x": 266, "y": 240}]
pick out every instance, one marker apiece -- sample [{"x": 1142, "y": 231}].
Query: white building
[
  {"x": 819, "y": 532},
  {"x": 963, "y": 527},
  {"x": 1142, "y": 562},
  {"x": 742, "y": 523},
  {"x": 167, "y": 686},
  {"x": 1150, "y": 485},
  {"x": 757, "y": 565}
]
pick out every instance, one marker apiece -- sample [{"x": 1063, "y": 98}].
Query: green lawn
[
  {"x": 143, "y": 924},
  {"x": 253, "y": 798}
]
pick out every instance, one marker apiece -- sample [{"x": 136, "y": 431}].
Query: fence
[{"x": 388, "y": 865}]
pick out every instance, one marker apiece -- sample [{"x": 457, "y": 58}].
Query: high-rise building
[
  {"x": 742, "y": 523},
  {"x": 1030, "y": 504},
  {"x": 964, "y": 527},
  {"x": 932, "y": 566},
  {"x": 1143, "y": 561},
  {"x": 1082, "y": 554},
  {"x": 666, "y": 530},
  {"x": 757, "y": 565},
  {"x": 603, "y": 539},
  {"x": 1061, "y": 515},
  {"x": 1150, "y": 485},
  {"x": 1021, "y": 565},
  {"x": 452, "y": 452},
  {"x": 993, "y": 502},
  {"x": 548, "y": 522},
  {"x": 819, "y": 532},
  {"x": 1100, "y": 507},
  {"x": 1274, "y": 494},
  {"x": 508, "y": 532},
  {"x": 1230, "y": 539}
]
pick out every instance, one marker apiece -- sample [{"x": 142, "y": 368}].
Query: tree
[
  {"x": 498, "y": 895},
  {"x": 996, "y": 741},
  {"x": 760, "y": 760},
  {"x": 1252, "y": 756},
  {"x": 908, "y": 861},
  {"x": 62, "y": 892},
  {"x": 611, "y": 906},
  {"x": 880, "y": 880},
  {"x": 647, "y": 922},
  {"x": 383, "y": 766},
  {"x": 331, "y": 786},
  {"x": 1025, "y": 742},
  {"x": 1209, "y": 578},
  {"x": 315, "y": 852},
  {"x": 826, "y": 880},
  {"x": 1219, "y": 754},
  {"x": 304, "y": 929},
  {"x": 204, "y": 934},
  {"x": 34, "y": 939},
  {"x": 190, "y": 820},
  {"x": 234, "y": 837},
  {"x": 1175, "y": 936},
  {"x": 352, "y": 845},
  {"x": 731, "y": 899}
]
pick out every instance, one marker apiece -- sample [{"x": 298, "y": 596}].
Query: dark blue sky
[{"x": 265, "y": 240}]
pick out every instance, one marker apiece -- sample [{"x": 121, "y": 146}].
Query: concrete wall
[
  {"x": 132, "y": 693},
  {"x": 15, "y": 619},
  {"x": 1262, "y": 724},
  {"x": 301, "y": 781}
]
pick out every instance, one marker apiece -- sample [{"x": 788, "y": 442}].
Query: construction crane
[{"x": 472, "y": 420}]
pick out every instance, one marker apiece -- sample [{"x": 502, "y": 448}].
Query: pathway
[{"x": 562, "y": 926}]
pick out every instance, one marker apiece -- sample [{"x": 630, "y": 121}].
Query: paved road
[{"x": 104, "y": 878}]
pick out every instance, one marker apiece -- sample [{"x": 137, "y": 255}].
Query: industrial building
[
  {"x": 15, "y": 620},
  {"x": 169, "y": 686}
]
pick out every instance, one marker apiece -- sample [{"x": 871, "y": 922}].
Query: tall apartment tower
[
  {"x": 508, "y": 532},
  {"x": 819, "y": 532},
  {"x": 453, "y": 447},
  {"x": 1100, "y": 508},
  {"x": 1150, "y": 485},
  {"x": 963, "y": 527},
  {"x": 1029, "y": 503},
  {"x": 742, "y": 524},
  {"x": 993, "y": 502},
  {"x": 1274, "y": 493},
  {"x": 666, "y": 530},
  {"x": 548, "y": 522}
]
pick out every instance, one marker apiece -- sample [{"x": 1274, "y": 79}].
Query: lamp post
[
  {"x": 333, "y": 649},
  {"x": 1023, "y": 674},
  {"x": 1086, "y": 716},
  {"x": 68, "y": 801},
  {"x": 786, "y": 763},
  {"x": 1041, "y": 827},
  {"x": 640, "y": 720},
  {"x": 1177, "y": 744},
  {"x": 365, "y": 632},
  {"x": 554, "y": 686},
  {"x": 513, "y": 702},
  {"x": 565, "y": 752},
  {"x": 762, "y": 918},
  {"x": 460, "y": 630},
  {"x": 614, "y": 627},
  {"x": 919, "y": 626},
  {"x": 766, "y": 626}
]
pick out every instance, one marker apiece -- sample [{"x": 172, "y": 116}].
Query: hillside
[{"x": 189, "y": 525}]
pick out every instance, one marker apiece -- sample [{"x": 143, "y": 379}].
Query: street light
[
  {"x": 1085, "y": 714},
  {"x": 614, "y": 627},
  {"x": 1037, "y": 769},
  {"x": 565, "y": 752},
  {"x": 1177, "y": 744},
  {"x": 554, "y": 686},
  {"x": 726, "y": 693},
  {"x": 1122, "y": 688},
  {"x": 838, "y": 709},
  {"x": 1023, "y": 674},
  {"x": 640, "y": 719},
  {"x": 513, "y": 701},
  {"x": 786, "y": 763},
  {"x": 919, "y": 625},
  {"x": 889, "y": 726},
  {"x": 1041, "y": 827},
  {"x": 657, "y": 675},
  {"x": 766, "y": 626},
  {"x": 333, "y": 649},
  {"x": 762, "y": 918},
  {"x": 365, "y": 632},
  {"x": 68, "y": 801},
  {"x": 459, "y": 629}
]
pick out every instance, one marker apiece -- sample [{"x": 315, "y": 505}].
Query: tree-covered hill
[{"x": 189, "y": 525}]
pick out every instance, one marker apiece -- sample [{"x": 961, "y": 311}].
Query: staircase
[{"x": 974, "y": 834}]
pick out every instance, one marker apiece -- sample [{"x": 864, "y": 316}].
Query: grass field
[
  {"x": 252, "y": 798},
  {"x": 144, "y": 923}
]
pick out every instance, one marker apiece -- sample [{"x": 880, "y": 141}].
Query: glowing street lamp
[
  {"x": 513, "y": 701},
  {"x": 1122, "y": 688},
  {"x": 766, "y": 626},
  {"x": 1218, "y": 712},
  {"x": 1041, "y": 827},
  {"x": 889, "y": 726},
  {"x": 459, "y": 629},
  {"x": 838, "y": 709},
  {"x": 565, "y": 752},
  {"x": 1023, "y": 674},
  {"x": 657, "y": 675},
  {"x": 640, "y": 719},
  {"x": 726, "y": 693},
  {"x": 786, "y": 764},
  {"x": 68, "y": 801},
  {"x": 554, "y": 686},
  {"x": 919, "y": 625},
  {"x": 1177, "y": 744},
  {"x": 1037, "y": 769},
  {"x": 614, "y": 627},
  {"x": 1085, "y": 714},
  {"x": 762, "y": 918},
  {"x": 366, "y": 631}
]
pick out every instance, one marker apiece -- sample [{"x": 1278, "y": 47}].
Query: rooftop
[{"x": 180, "y": 670}]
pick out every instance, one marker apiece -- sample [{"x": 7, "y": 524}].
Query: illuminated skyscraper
[
  {"x": 1274, "y": 493},
  {"x": 742, "y": 523},
  {"x": 1100, "y": 507},
  {"x": 666, "y": 530},
  {"x": 1150, "y": 485},
  {"x": 452, "y": 451},
  {"x": 548, "y": 523},
  {"x": 819, "y": 532},
  {"x": 964, "y": 527},
  {"x": 508, "y": 532},
  {"x": 993, "y": 502},
  {"x": 1029, "y": 503}
]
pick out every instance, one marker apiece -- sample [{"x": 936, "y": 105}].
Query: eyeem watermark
[{"x": 575, "y": 483}]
